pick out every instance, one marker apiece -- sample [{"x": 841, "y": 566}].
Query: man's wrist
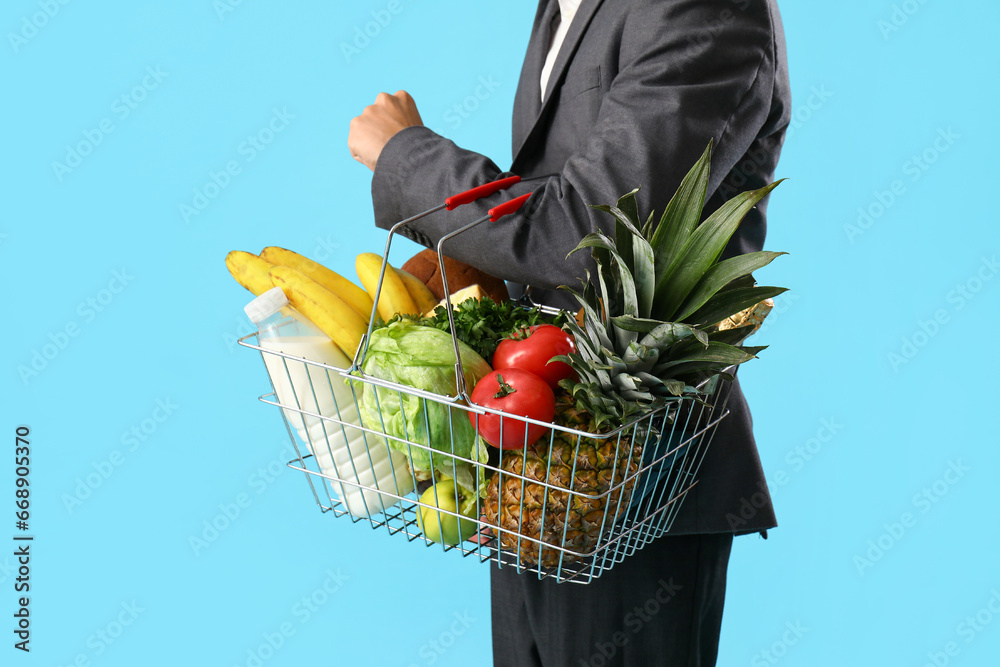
[{"x": 403, "y": 153}]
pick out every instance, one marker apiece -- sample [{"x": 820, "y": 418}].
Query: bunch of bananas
[{"x": 337, "y": 306}]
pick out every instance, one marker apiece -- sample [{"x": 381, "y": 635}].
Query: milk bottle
[{"x": 310, "y": 392}]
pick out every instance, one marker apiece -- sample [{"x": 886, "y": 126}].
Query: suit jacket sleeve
[{"x": 669, "y": 96}]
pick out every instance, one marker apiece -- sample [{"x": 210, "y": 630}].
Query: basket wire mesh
[
  {"x": 639, "y": 506},
  {"x": 358, "y": 470}
]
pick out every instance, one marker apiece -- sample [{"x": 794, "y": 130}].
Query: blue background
[{"x": 887, "y": 258}]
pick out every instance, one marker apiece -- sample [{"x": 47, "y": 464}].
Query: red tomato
[
  {"x": 516, "y": 392},
  {"x": 531, "y": 350}
]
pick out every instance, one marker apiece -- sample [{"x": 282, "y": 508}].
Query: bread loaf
[{"x": 424, "y": 265}]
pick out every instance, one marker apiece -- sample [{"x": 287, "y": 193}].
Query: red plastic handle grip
[
  {"x": 486, "y": 190},
  {"x": 507, "y": 207}
]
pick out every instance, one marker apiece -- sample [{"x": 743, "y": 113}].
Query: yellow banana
[
  {"x": 394, "y": 297},
  {"x": 331, "y": 314},
  {"x": 355, "y": 297},
  {"x": 421, "y": 293},
  {"x": 250, "y": 271}
]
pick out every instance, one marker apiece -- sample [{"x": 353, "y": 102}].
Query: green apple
[{"x": 438, "y": 526}]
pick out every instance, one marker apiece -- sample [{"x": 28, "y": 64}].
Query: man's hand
[{"x": 370, "y": 131}]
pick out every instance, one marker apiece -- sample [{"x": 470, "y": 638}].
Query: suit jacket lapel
[
  {"x": 580, "y": 23},
  {"x": 527, "y": 98},
  {"x": 528, "y": 109}
]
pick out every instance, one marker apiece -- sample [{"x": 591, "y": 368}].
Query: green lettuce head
[{"x": 423, "y": 358}]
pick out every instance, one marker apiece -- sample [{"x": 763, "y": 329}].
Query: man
[{"x": 613, "y": 94}]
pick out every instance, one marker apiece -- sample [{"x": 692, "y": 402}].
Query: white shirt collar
[{"x": 567, "y": 10}]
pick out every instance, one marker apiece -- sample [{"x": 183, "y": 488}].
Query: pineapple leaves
[
  {"x": 600, "y": 254},
  {"x": 683, "y": 212},
  {"x": 649, "y": 326},
  {"x": 630, "y": 304},
  {"x": 626, "y": 226},
  {"x": 657, "y": 386},
  {"x": 604, "y": 304},
  {"x": 730, "y": 302},
  {"x": 644, "y": 275},
  {"x": 595, "y": 336},
  {"x": 743, "y": 281},
  {"x": 696, "y": 371},
  {"x": 716, "y": 353},
  {"x": 629, "y": 207},
  {"x": 701, "y": 250},
  {"x": 721, "y": 275},
  {"x": 733, "y": 336},
  {"x": 594, "y": 325},
  {"x": 635, "y": 255},
  {"x": 647, "y": 229},
  {"x": 630, "y": 323},
  {"x": 625, "y": 383},
  {"x": 675, "y": 387},
  {"x": 639, "y": 357},
  {"x": 669, "y": 333},
  {"x": 595, "y": 240}
]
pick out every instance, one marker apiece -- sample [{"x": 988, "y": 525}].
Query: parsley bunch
[{"x": 483, "y": 323}]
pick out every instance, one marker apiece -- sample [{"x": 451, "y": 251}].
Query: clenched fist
[{"x": 370, "y": 131}]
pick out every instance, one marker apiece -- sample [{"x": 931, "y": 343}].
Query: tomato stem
[
  {"x": 505, "y": 389},
  {"x": 520, "y": 334}
]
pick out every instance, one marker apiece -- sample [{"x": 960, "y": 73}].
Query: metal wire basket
[{"x": 567, "y": 527}]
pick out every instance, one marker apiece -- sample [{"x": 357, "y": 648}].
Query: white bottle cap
[{"x": 266, "y": 305}]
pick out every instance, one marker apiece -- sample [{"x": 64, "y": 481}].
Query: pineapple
[
  {"x": 664, "y": 315},
  {"x": 600, "y": 466}
]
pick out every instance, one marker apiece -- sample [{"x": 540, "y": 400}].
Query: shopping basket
[{"x": 657, "y": 458}]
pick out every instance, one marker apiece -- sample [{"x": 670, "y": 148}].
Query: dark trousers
[{"x": 661, "y": 606}]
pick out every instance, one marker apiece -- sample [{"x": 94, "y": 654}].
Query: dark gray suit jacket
[{"x": 638, "y": 89}]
